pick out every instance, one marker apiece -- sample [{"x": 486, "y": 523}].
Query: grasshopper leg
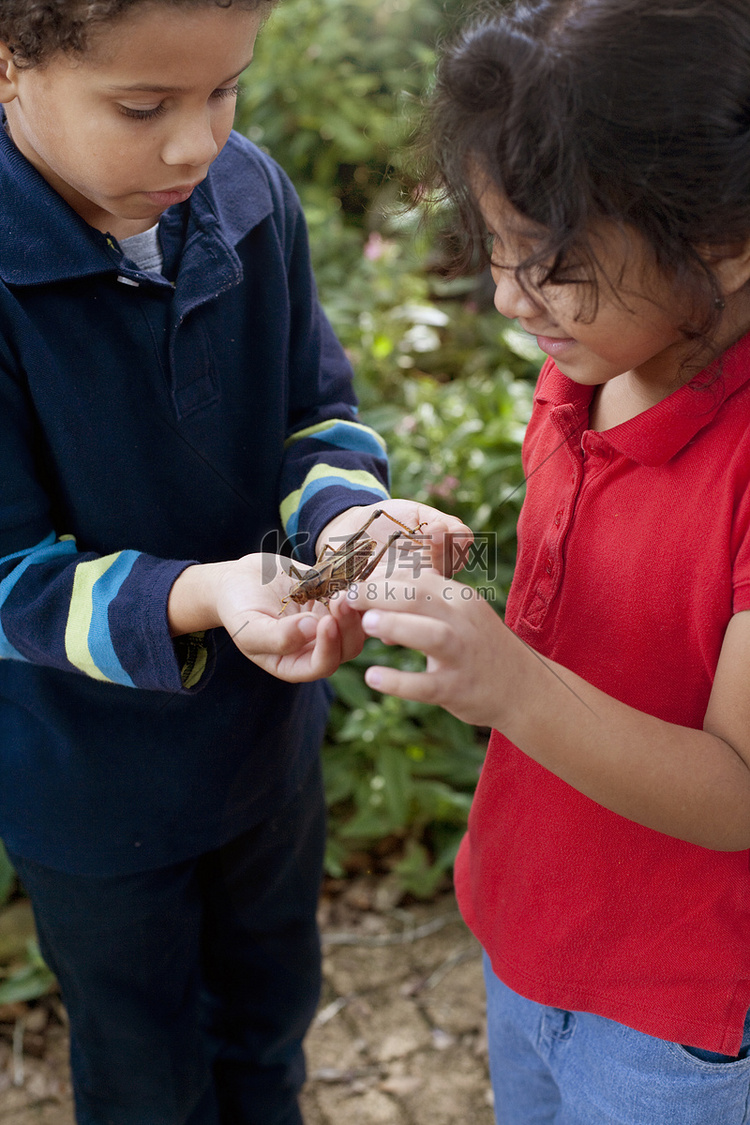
[
  {"x": 373, "y": 562},
  {"x": 381, "y": 512}
]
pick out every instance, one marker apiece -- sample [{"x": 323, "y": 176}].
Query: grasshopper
[{"x": 337, "y": 568}]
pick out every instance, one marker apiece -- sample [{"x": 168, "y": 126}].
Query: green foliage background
[{"x": 334, "y": 94}]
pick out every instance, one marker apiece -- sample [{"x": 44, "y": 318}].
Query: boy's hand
[
  {"x": 443, "y": 539},
  {"x": 245, "y": 595}
]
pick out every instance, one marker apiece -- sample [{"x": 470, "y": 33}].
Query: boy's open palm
[
  {"x": 306, "y": 643},
  {"x": 245, "y": 597}
]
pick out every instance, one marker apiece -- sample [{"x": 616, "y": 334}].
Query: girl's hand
[
  {"x": 687, "y": 783},
  {"x": 245, "y": 596},
  {"x": 468, "y": 648},
  {"x": 443, "y": 540}
]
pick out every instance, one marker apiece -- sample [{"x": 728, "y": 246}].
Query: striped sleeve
[
  {"x": 331, "y": 461},
  {"x": 103, "y": 616},
  {"x": 334, "y": 464}
]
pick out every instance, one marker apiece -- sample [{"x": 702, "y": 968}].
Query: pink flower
[
  {"x": 445, "y": 488},
  {"x": 408, "y": 424},
  {"x": 374, "y": 247}
]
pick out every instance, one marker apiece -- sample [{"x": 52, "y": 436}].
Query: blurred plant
[
  {"x": 443, "y": 378},
  {"x": 7, "y": 876},
  {"x": 23, "y": 973},
  {"x": 448, "y": 385},
  {"x": 458, "y": 448},
  {"x": 396, "y": 318},
  {"x": 333, "y": 87},
  {"x": 406, "y": 771},
  {"x": 399, "y": 770},
  {"x": 28, "y": 981}
]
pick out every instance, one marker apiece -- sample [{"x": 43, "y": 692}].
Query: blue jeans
[
  {"x": 554, "y": 1067},
  {"x": 190, "y": 988}
]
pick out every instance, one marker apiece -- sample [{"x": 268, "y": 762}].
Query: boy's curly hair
[{"x": 37, "y": 29}]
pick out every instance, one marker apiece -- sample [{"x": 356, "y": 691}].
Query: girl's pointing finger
[
  {"x": 418, "y": 686},
  {"x": 425, "y": 634}
]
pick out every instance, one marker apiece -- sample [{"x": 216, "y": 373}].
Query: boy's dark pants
[{"x": 189, "y": 989}]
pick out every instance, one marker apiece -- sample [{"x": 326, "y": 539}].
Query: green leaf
[
  {"x": 16, "y": 930},
  {"x": 30, "y": 982},
  {"x": 393, "y": 767},
  {"x": 350, "y": 687},
  {"x": 335, "y": 855},
  {"x": 7, "y": 875},
  {"x": 417, "y": 873},
  {"x": 339, "y": 774},
  {"x": 337, "y": 115}
]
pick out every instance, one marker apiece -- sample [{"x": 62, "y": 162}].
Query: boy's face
[{"x": 131, "y": 127}]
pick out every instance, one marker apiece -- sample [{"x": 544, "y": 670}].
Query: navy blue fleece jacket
[{"x": 146, "y": 424}]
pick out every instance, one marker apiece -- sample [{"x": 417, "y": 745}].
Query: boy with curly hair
[{"x": 170, "y": 395}]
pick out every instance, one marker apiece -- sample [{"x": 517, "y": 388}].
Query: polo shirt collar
[
  {"x": 43, "y": 240},
  {"x": 236, "y": 194},
  {"x": 659, "y": 433}
]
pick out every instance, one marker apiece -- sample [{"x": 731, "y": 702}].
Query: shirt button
[
  {"x": 558, "y": 517},
  {"x": 548, "y": 567}
]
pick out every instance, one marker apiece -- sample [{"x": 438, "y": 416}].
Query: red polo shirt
[{"x": 634, "y": 553}]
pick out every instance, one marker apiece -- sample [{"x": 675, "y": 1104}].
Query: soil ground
[{"x": 399, "y": 1038}]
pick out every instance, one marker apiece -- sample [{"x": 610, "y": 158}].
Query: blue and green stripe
[
  {"x": 88, "y": 643},
  {"x": 49, "y": 548},
  {"x": 327, "y": 476},
  {"x": 343, "y": 435}
]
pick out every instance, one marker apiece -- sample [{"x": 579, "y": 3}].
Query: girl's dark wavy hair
[
  {"x": 37, "y": 29},
  {"x": 635, "y": 112}
]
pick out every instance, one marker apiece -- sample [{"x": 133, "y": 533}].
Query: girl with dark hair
[{"x": 604, "y": 146}]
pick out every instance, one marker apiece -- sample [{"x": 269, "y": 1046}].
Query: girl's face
[
  {"x": 634, "y": 328},
  {"x": 131, "y": 127}
]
